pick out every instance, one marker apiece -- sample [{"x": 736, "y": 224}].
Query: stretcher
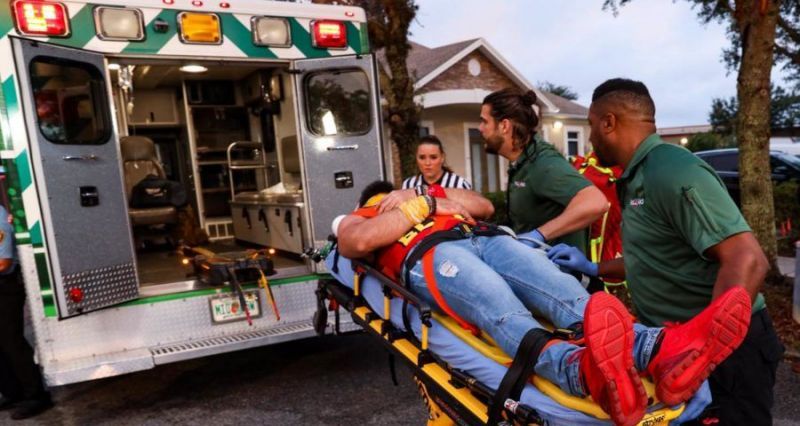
[{"x": 457, "y": 372}]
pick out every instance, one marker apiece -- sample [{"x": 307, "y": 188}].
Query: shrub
[{"x": 498, "y": 200}]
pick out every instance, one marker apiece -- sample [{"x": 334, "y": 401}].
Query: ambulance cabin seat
[{"x": 138, "y": 161}]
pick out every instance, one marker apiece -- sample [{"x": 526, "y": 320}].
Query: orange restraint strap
[{"x": 430, "y": 278}]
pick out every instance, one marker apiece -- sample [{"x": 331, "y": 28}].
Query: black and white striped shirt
[{"x": 448, "y": 180}]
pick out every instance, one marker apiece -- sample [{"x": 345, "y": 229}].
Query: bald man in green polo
[{"x": 684, "y": 243}]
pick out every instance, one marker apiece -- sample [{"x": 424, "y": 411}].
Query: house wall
[
  {"x": 557, "y": 137},
  {"x": 458, "y": 76}
]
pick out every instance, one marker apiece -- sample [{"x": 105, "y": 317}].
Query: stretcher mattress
[{"x": 456, "y": 352}]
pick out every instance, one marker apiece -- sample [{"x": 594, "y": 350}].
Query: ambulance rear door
[
  {"x": 340, "y": 128},
  {"x": 77, "y": 171}
]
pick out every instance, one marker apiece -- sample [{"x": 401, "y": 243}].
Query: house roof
[
  {"x": 427, "y": 63},
  {"x": 566, "y": 106}
]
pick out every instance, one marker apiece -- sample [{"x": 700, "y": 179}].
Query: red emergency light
[
  {"x": 329, "y": 34},
  {"x": 41, "y": 18}
]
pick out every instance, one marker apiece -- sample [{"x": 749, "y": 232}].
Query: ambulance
[{"x": 264, "y": 114}]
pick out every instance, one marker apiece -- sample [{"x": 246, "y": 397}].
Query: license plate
[{"x": 227, "y": 308}]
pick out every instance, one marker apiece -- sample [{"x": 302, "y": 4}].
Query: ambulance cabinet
[
  {"x": 155, "y": 108},
  {"x": 275, "y": 225}
]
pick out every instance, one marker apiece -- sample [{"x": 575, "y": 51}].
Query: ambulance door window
[
  {"x": 338, "y": 103},
  {"x": 69, "y": 96}
]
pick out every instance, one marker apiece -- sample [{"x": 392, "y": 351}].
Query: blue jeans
[{"x": 497, "y": 282}]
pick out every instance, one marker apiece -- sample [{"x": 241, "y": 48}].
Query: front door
[
  {"x": 340, "y": 131},
  {"x": 76, "y": 166}
]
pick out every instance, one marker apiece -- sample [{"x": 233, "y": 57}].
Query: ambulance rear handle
[{"x": 90, "y": 157}]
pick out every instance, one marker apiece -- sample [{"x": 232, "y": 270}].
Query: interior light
[
  {"x": 168, "y": 1},
  {"x": 117, "y": 23},
  {"x": 328, "y": 124},
  {"x": 202, "y": 28},
  {"x": 269, "y": 31},
  {"x": 329, "y": 34},
  {"x": 197, "y": 3},
  {"x": 193, "y": 68},
  {"x": 349, "y": 14},
  {"x": 114, "y": 66},
  {"x": 39, "y": 18},
  {"x": 271, "y": 251}
]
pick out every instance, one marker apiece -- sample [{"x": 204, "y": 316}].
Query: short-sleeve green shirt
[
  {"x": 674, "y": 207},
  {"x": 541, "y": 183}
]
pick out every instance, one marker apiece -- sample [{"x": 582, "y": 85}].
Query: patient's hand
[
  {"x": 445, "y": 206},
  {"x": 395, "y": 198}
]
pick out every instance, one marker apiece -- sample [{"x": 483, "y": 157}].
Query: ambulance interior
[{"x": 227, "y": 133}]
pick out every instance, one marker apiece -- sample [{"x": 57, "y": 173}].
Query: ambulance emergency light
[
  {"x": 199, "y": 28},
  {"x": 38, "y": 18},
  {"x": 329, "y": 34},
  {"x": 270, "y": 31},
  {"x": 117, "y": 23}
]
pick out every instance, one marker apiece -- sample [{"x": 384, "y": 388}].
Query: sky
[{"x": 575, "y": 43}]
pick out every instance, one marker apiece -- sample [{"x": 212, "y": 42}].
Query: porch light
[
  {"x": 329, "y": 34},
  {"x": 39, "y": 18},
  {"x": 193, "y": 68},
  {"x": 119, "y": 24},
  {"x": 558, "y": 124},
  {"x": 199, "y": 28},
  {"x": 269, "y": 31}
]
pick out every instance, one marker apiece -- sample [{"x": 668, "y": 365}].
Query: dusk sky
[{"x": 577, "y": 44}]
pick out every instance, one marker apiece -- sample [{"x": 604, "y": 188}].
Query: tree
[
  {"x": 784, "y": 111},
  {"x": 388, "y": 22},
  {"x": 752, "y": 27},
  {"x": 706, "y": 141},
  {"x": 557, "y": 89}
]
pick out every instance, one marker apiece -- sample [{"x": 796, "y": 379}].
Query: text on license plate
[{"x": 228, "y": 308}]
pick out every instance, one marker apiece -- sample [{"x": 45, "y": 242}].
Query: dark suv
[{"x": 726, "y": 162}]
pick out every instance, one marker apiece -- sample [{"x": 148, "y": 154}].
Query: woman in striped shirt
[{"x": 430, "y": 161}]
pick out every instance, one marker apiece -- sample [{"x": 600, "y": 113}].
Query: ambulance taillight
[
  {"x": 38, "y": 18},
  {"x": 329, "y": 34}
]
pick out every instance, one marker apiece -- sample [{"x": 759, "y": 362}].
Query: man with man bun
[{"x": 546, "y": 196}]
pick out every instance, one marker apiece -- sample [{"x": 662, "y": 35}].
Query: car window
[
  {"x": 780, "y": 159},
  {"x": 723, "y": 162}
]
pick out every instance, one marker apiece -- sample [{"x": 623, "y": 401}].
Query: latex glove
[
  {"x": 573, "y": 259},
  {"x": 532, "y": 238},
  {"x": 696, "y": 405}
]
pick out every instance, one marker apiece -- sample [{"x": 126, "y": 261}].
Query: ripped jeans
[{"x": 497, "y": 282}]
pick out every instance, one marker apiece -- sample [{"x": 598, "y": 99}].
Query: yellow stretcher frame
[{"x": 449, "y": 403}]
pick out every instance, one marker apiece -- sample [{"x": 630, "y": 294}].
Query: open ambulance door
[
  {"x": 77, "y": 172},
  {"x": 340, "y": 132}
]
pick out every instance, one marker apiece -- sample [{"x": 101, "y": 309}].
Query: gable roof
[
  {"x": 425, "y": 64},
  {"x": 567, "y": 107}
]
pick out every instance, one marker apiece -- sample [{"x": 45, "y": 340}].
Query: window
[
  {"x": 573, "y": 140},
  {"x": 71, "y": 101},
  {"x": 728, "y": 162},
  {"x": 425, "y": 128},
  {"x": 485, "y": 169},
  {"x": 338, "y": 103}
]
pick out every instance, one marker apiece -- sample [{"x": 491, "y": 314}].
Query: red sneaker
[
  {"x": 689, "y": 352},
  {"x": 607, "y": 363}
]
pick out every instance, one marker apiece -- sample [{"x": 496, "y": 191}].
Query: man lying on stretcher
[{"x": 489, "y": 280}]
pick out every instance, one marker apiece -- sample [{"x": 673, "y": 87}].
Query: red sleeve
[{"x": 367, "y": 212}]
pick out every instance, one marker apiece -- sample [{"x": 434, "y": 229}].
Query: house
[
  {"x": 680, "y": 135},
  {"x": 450, "y": 84}
]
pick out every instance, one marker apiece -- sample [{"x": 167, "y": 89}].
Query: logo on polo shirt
[
  {"x": 636, "y": 202},
  {"x": 519, "y": 183}
]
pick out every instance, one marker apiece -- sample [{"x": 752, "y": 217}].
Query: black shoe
[
  {"x": 31, "y": 407},
  {"x": 7, "y": 403}
]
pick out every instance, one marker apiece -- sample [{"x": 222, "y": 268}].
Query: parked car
[
  {"x": 789, "y": 145},
  {"x": 726, "y": 162}
]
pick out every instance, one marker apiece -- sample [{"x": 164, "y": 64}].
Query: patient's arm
[
  {"x": 474, "y": 203},
  {"x": 360, "y": 236}
]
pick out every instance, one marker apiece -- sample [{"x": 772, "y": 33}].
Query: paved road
[{"x": 330, "y": 381}]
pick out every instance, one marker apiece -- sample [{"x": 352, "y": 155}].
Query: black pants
[
  {"x": 742, "y": 386},
  {"x": 20, "y": 377}
]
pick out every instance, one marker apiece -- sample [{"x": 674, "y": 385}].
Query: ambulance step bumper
[{"x": 218, "y": 345}]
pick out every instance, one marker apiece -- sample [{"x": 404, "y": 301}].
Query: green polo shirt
[
  {"x": 541, "y": 183},
  {"x": 674, "y": 207}
]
